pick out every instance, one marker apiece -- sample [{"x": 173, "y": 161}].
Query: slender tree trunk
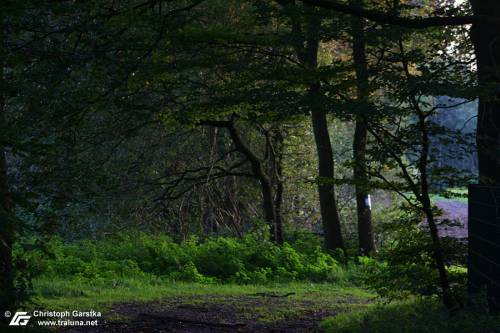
[
  {"x": 258, "y": 172},
  {"x": 279, "y": 189},
  {"x": 278, "y": 202},
  {"x": 270, "y": 212},
  {"x": 265, "y": 184},
  {"x": 363, "y": 209},
  {"x": 486, "y": 39},
  {"x": 429, "y": 214},
  {"x": 423, "y": 196},
  {"x": 364, "y": 214},
  {"x": 232, "y": 196}
]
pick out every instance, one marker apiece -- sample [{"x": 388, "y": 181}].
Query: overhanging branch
[{"x": 415, "y": 23}]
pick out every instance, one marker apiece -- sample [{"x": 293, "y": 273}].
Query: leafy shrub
[
  {"x": 252, "y": 259},
  {"x": 219, "y": 257},
  {"x": 189, "y": 273},
  {"x": 322, "y": 267},
  {"x": 405, "y": 265}
]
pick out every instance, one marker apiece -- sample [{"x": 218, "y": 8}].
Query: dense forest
[{"x": 245, "y": 165}]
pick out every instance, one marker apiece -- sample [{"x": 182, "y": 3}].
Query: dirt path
[{"x": 200, "y": 314}]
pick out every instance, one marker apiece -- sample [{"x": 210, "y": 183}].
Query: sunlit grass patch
[
  {"x": 62, "y": 294},
  {"x": 456, "y": 194},
  {"x": 416, "y": 316}
]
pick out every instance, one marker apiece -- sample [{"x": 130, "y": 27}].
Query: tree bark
[
  {"x": 278, "y": 180},
  {"x": 326, "y": 166},
  {"x": 486, "y": 39},
  {"x": 7, "y": 291},
  {"x": 265, "y": 184},
  {"x": 364, "y": 214},
  {"x": 429, "y": 214},
  {"x": 6, "y": 233},
  {"x": 258, "y": 172},
  {"x": 363, "y": 209},
  {"x": 422, "y": 193},
  {"x": 326, "y": 190},
  {"x": 306, "y": 48}
]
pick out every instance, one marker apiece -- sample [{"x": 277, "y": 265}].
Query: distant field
[{"x": 452, "y": 195}]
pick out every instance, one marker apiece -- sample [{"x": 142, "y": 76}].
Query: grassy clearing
[
  {"x": 457, "y": 194},
  {"x": 147, "y": 273},
  {"x": 416, "y": 316},
  {"x": 61, "y": 294}
]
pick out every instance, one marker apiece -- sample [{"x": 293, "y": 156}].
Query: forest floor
[
  {"x": 140, "y": 306},
  {"x": 297, "y": 307},
  {"x": 259, "y": 313}
]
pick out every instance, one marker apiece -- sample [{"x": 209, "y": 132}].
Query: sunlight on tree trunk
[{"x": 364, "y": 214}]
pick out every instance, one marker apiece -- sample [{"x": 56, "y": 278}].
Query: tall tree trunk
[
  {"x": 6, "y": 232},
  {"x": 422, "y": 193},
  {"x": 306, "y": 48},
  {"x": 486, "y": 39},
  {"x": 429, "y": 214},
  {"x": 7, "y": 291},
  {"x": 326, "y": 167},
  {"x": 364, "y": 214},
  {"x": 278, "y": 180},
  {"x": 278, "y": 202},
  {"x": 363, "y": 209},
  {"x": 233, "y": 195},
  {"x": 269, "y": 209},
  {"x": 326, "y": 190}
]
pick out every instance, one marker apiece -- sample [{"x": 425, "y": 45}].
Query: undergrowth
[{"x": 251, "y": 259}]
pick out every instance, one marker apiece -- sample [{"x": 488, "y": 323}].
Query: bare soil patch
[{"x": 200, "y": 314}]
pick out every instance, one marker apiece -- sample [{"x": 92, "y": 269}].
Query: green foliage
[
  {"x": 423, "y": 315},
  {"x": 251, "y": 259},
  {"x": 405, "y": 266},
  {"x": 189, "y": 273},
  {"x": 22, "y": 282}
]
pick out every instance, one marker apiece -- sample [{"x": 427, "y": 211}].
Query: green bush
[
  {"x": 219, "y": 257},
  {"x": 252, "y": 259},
  {"x": 405, "y": 265},
  {"x": 189, "y": 273}
]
